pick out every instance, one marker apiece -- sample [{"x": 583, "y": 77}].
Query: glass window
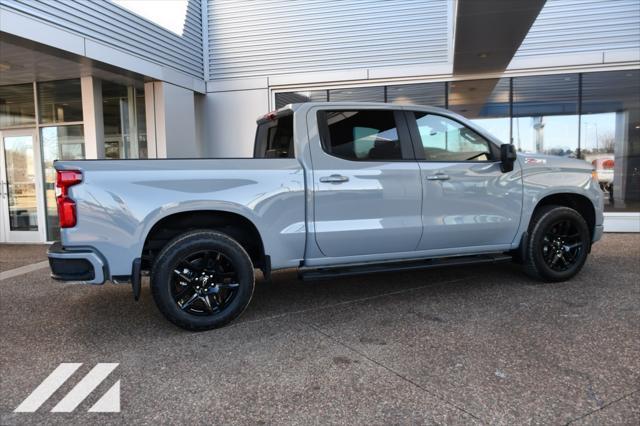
[
  {"x": 124, "y": 119},
  {"x": 60, "y": 101},
  {"x": 17, "y": 106},
  {"x": 485, "y": 102},
  {"x": 444, "y": 139},
  {"x": 367, "y": 135},
  {"x": 610, "y": 135},
  {"x": 357, "y": 94},
  {"x": 274, "y": 138},
  {"x": 58, "y": 143},
  {"x": 21, "y": 183},
  {"x": 283, "y": 99},
  {"x": 545, "y": 114},
  {"x": 429, "y": 94}
]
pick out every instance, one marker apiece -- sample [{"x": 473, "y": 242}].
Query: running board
[{"x": 319, "y": 273}]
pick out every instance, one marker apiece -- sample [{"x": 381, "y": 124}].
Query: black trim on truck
[{"x": 69, "y": 269}]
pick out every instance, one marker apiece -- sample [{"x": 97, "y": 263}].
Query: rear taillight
[{"x": 66, "y": 206}]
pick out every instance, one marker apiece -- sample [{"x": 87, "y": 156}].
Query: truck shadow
[{"x": 111, "y": 313}]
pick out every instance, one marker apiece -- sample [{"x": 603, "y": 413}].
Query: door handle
[
  {"x": 334, "y": 179},
  {"x": 438, "y": 176}
]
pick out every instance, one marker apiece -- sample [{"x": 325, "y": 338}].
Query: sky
[{"x": 169, "y": 14}]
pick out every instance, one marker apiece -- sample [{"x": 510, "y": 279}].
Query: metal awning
[{"x": 489, "y": 32}]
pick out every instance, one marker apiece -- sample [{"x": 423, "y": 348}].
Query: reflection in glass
[
  {"x": 16, "y": 105},
  {"x": 357, "y": 94},
  {"x": 610, "y": 135},
  {"x": 485, "y": 102},
  {"x": 363, "y": 135},
  {"x": 58, "y": 143},
  {"x": 283, "y": 99},
  {"x": 59, "y": 101},
  {"x": 125, "y": 134},
  {"x": 429, "y": 94},
  {"x": 21, "y": 183},
  {"x": 444, "y": 139},
  {"x": 545, "y": 111}
]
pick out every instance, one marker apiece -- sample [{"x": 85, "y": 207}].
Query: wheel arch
[
  {"x": 577, "y": 202},
  {"x": 235, "y": 225}
]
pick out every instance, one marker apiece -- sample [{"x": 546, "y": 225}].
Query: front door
[
  {"x": 366, "y": 183},
  {"x": 469, "y": 203},
  {"x": 21, "y": 199}
]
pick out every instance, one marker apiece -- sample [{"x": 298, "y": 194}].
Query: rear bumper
[{"x": 81, "y": 265}]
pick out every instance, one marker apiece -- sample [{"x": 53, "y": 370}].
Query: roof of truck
[{"x": 297, "y": 106}]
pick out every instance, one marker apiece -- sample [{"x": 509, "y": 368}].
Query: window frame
[
  {"x": 412, "y": 122},
  {"x": 406, "y": 148}
]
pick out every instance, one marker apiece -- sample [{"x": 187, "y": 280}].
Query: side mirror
[{"x": 507, "y": 157}]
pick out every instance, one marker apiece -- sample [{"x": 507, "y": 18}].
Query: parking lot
[{"x": 481, "y": 344}]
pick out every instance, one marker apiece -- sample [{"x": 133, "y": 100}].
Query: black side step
[{"x": 309, "y": 273}]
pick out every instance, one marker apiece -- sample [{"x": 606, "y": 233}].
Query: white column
[
  {"x": 150, "y": 115},
  {"x": 174, "y": 121},
  {"x": 230, "y": 121},
  {"x": 92, "y": 117},
  {"x": 132, "y": 118}
]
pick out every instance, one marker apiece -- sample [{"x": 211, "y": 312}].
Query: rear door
[
  {"x": 468, "y": 201},
  {"x": 367, "y": 186}
]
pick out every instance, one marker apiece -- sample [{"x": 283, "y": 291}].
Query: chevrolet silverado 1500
[{"x": 333, "y": 189}]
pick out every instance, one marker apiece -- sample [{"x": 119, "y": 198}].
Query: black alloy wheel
[
  {"x": 204, "y": 283},
  {"x": 558, "y": 244},
  {"x": 562, "y": 245},
  {"x": 202, "y": 280}
]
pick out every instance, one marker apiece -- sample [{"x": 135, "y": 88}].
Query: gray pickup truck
[{"x": 333, "y": 189}]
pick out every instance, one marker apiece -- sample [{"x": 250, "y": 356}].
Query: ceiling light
[{"x": 483, "y": 55}]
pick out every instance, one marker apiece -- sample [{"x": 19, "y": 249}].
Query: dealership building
[{"x": 116, "y": 79}]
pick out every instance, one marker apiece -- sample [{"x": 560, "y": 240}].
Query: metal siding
[
  {"x": 108, "y": 23},
  {"x": 573, "y": 26},
  {"x": 249, "y": 39}
]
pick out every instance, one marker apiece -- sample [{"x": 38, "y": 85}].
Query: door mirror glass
[{"x": 507, "y": 157}]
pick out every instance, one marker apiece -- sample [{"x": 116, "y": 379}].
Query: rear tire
[
  {"x": 558, "y": 244},
  {"x": 202, "y": 280}
]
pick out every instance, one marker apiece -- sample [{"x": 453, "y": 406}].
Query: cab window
[
  {"x": 366, "y": 135},
  {"x": 274, "y": 138},
  {"x": 444, "y": 139}
]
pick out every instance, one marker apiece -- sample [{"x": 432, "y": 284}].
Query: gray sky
[{"x": 169, "y": 14}]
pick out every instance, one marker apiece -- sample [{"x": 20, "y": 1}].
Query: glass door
[{"x": 21, "y": 199}]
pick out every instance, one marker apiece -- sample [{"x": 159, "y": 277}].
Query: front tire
[
  {"x": 559, "y": 241},
  {"x": 202, "y": 280}
]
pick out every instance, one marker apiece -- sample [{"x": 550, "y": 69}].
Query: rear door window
[
  {"x": 366, "y": 135},
  {"x": 274, "y": 138}
]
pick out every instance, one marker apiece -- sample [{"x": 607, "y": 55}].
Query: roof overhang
[
  {"x": 489, "y": 32},
  {"x": 25, "y": 61}
]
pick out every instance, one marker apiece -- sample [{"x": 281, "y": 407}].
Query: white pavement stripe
[
  {"x": 47, "y": 387},
  {"x": 109, "y": 402},
  {"x": 84, "y": 387},
  {"x": 23, "y": 270}
]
